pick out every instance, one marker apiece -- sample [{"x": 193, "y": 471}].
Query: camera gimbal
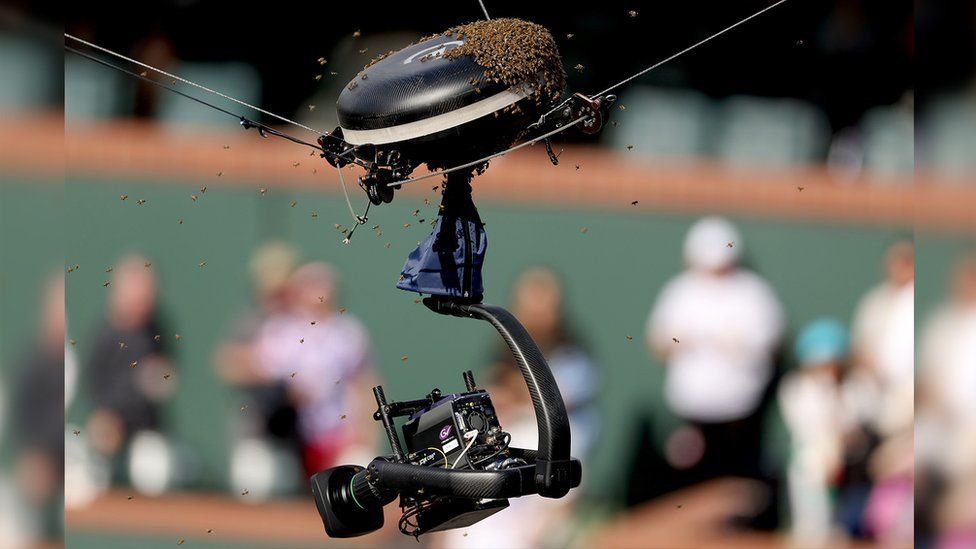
[{"x": 350, "y": 498}]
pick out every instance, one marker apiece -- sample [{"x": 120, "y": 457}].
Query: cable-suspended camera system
[{"x": 453, "y": 101}]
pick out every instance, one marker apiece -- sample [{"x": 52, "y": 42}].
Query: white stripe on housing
[{"x": 434, "y": 124}]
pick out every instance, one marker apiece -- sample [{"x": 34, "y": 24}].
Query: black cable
[{"x": 245, "y": 122}]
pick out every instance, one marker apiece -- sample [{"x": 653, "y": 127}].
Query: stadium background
[{"x": 820, "y": 247}]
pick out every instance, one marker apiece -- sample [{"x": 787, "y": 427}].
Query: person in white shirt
[{"x": 717, "y": 327}]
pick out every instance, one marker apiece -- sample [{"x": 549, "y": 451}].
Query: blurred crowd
[{"x": 844, "y": 388}]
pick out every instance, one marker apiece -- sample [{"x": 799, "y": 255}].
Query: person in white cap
[{"x": 717, "y": 327}]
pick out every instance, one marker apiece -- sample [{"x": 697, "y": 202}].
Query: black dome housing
[{"x": 430, "y": 108}]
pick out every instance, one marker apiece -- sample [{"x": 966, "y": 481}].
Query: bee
[
  {"x": 630, "y": 147},
  {"x": 295, "y": 164},
  {"x": 124, "y": 197},
  {"x": 122, "y": 344},
  {"x": 630, "y": 338},
  {"x": 323, "y": 60},
  {"x": 245, "y": 492},
  {"x": 157, "y": 337},
  {"x": 76, "y": 432},
  {"x": 220, "y": 174},
  {"x": 674, "y": 339},
  {"x": 244, "y": 408},
  {"x": 202, "y": 264},
  {"x": 800, "y": 188},
  {"x": 730, "y": 244},
  {"x": 415, "y": 212},
  {"x": 426, "y": 202},
  {"x": 321, "y": 299},
  {"x": 338, "y": 381},
  {"x": 72, "y": 342},
  {"x": 406, "y": 225},
  {"x": 421, "y": 220},
  {"x": 106, "y": 284},
  {"x": 264, "y": 191},
  {"x": 166, "y": 376},
  {"x": 364, "y": 76},
  {"x": 178, "y": 337},
  {"x": 181, "y": 541},
  {"x": 203, "y": 190},
  {"x": 577, "y": 167},
  {"x": 387, "y": 245},
  {"x": 70, "y": 269},
  {"x": 404, "y": 358},
  {"x": 147, "y": 264},
  {"x": 293, "y": 374},
  {"x": 342, "y": 310},
  {"x": 226, "y": 147},
  {"x": 579, "y": 67},
  {"x": 141, "y": 201},
  {"x": 293, "y": 203},
  {"x": 302, "y": 340},
  {"x": 622, "y": 107},
  {"x": 634, "y": 203},
  {"x": 632, "y": 13},
  {"x": 570, "y": 36},
  {"x": 133, "y": 364},
  {"x": 343, "y": 416},
  {"x": 194, "y": 197},
  {"x": 364, "y": 50},
  {"x": 210, "y": 530},
  {"x": 357, "y": 34},
  {"x": 311, "y": 108},
  {"x": 333, "y": 73},
  {"x": 143, "y": 74},
  {"x": 315, "y": 215},
  {"x": 585, "y": 230},
  {"x": 318, "y": 77},
  {"x": 181, "y": 221}
]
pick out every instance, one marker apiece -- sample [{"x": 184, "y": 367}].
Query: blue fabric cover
[{"x": 448, "y": 262}]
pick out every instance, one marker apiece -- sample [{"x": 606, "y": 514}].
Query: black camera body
[
  {"x": 439, "y": 435},
  {"x": 457, "y": 468}
]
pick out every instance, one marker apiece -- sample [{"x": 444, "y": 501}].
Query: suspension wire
[
  {"x": 592, "y": 97},
  {"x": 194, "y": 84},
  {"x": 360, "y": 219},
  {"x": 667, "y": 60},
  {"x": 484, "y": 9},
  {"x": 245, "y": 122},
  {"x": 489, "y": 157}
]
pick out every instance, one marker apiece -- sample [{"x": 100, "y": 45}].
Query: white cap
[{"x": 712, "y": 243}]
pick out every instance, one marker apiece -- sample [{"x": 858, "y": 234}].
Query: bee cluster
[{"x": 513, "y": 51}]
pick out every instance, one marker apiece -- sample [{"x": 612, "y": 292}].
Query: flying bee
[
  {"x": 109, "y": 270},
  {"x": 579, "y": 67},
  {"x": 124, "y": 197},
  {"x": 322, "y": 61},
  {"x": 264, "y": 191},
  {"x": 141, "y": 201},
  {"x": 311, "y": 108},
  {"x": 357, "y": 34},
  {"x": 194, "y": 197},
  {"x": 632, "y": 13},
  {"x": 203, "y": 190},
  {"x": 202, "y": 264},
  {"x": 147, "y": 264},
  {"x": 585, "y": 230},
  {"x": 634, "y": 203},
  {"x": 293, "y": 203}
]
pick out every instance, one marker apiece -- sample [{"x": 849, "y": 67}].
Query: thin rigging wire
[
  {"x": 194, "y": 84},
  {"x": 671, "y": 58},
  {"x": 484, "y": 9},
  {"x": 489, "y": 157},
  {"x": 564, "y": 103},
  {"x": 244, "y": 121}
]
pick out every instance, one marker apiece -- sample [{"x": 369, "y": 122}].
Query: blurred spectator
[
  {"x": 129, "y": 371},
  {"x": 810, "y": 399},
  {"x": 39, "y": 422},
  {"x": 325, "y": 358},
  {"x": 881, "y": 389},
  {"x": 717, "y": 327},
  {"x": 265, "y": 453},
  {"x": 537, "y": 301},
  {"x": 946, "y": 429},
  {"x": 883, "y": 341}
]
